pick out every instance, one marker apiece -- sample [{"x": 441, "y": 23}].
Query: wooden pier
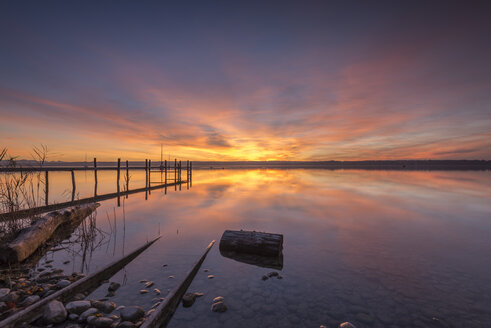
[{"x": 171, "y": 176}]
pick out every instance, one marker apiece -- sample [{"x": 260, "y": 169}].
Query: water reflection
[{"x": 378, "y": 248}]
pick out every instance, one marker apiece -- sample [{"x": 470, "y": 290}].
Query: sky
[{"x": 246, "y": 80}]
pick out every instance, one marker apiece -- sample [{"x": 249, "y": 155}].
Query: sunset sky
[{"x": 245, "y": 80}]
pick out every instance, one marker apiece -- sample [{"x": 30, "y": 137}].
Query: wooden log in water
[
  {"x": 163, "y": 313},
  {"x": 84, "y": 285},
  {"x": 252, "y": 242},
  {"x": 29, "y": 240}
]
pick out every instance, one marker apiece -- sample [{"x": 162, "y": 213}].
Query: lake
[{"x": 376, "y": 248}]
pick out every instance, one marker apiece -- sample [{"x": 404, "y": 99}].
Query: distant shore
[{"x": 481, "y": 165}]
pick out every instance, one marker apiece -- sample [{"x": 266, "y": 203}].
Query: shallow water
[{"x": 377, "y": 248}]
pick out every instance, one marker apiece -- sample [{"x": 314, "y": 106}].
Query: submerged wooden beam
[
  {"x": 31, "y": 238},
  {"x": 164, "y": 312},
  {"x": 87, "y": 284}
]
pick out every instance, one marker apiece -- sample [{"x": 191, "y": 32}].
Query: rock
[
  {"x": 12, "y": 297},
  {"x": 127, "y": 324},
  {"x": 106, "y": 307},
  {"x": 149, "y": 284},
  {"x": 155, "y": 305},
  {"x": 113, "y": 286},
  {"x": 132, "y": 313},
  {"x": 164, "y": 265},
  {"x": 54, "y": 312},
  {"x": 86, "y": 314},
  {"x": 66, "y": 262},
  {"x": 62, "y": 284},
  {"x": 73, "y": 317},
  {"x": 157, "y": 291},
  {"x": 143, "y": 291},
  {"x": 171, "y": 277},
  {"x": 102, "y": 322},
  {"x": 279, "y": 277},
  {"x": 273, "y": 274},
  {"x": 210, "y": 276},
  {"x": 206, "y": 270},
  {"x": 218, "y": 299},
  {"x": 347, "y": 325},
  {"x": 78, "y": 307},
  {"x": 120, "y": 307},
  {"x": 4, "y": 292},
  {"x": 264, "y": 277},
  {"x": 31, "y": 300},
  {"x": 188, "y": 299},
  {"x": 91, "y": 320},
  {"x": 149, "y": 312},
  {"x": 219, "y": 307}
]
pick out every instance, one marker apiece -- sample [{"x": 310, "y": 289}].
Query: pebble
[
  {"x": 86, "y": 314},
  {"x": 218, "y": 299},
  {"x": 78, "y": 307},
  {"x": 4, "y": 292},
  {"x": 264, "y": 277},
  {"x": 143, "y": 291},
  {"x": 106, "y": 307},
  {"x": 206, "y": 270},
  {"x": 62, "y": 284},
  {"x": 210, "y": 276},
  {"x": 66, "y": 262},
  {"x": 155, "y": 305},
  {"x": 143, "y": 280},
  {"x": 127, "y": 324},
  {"x": 219, "y": 307},
  {"x": 149, "y": 284},
  {"x": 164, "y": 265},
  {"x": 149, "y": 312},
  {"x": 171, "y": 277},
  {"x": 73, "y": 317},
  {"x": 347, "y": 325},
  {"x": 273, "y": 274},
  {"x": 54, "y": 312},
  {"x": 102, "y": 322},
  {"x": 113, "y": 286},
  {"x": 156, "y": 290},
  {"x": 132, "y": 313},
  {"x": 188, "y": 299}
]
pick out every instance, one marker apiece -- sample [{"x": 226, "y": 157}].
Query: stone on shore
[
  {"x": 54, "y": 312},
  {"x": 219, "y": 307},
  {"x": 347, "y": 325},
  {"x": 62, "y": 284},
  {"x": 78, "y": 307},
  {"x": 132, "y": 313},
  {"x": 102, "y": 322},
  {"x": 106, "y": 307},
  {"x": 88, "y": 313},
  {"x": 113, "y": 286}
]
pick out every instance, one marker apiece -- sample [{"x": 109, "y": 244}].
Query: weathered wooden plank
[
  {"x": 252, "y": 242},
  {"x": 164, "y": 312},
  {"x": 87, "y": 284},
  {"x": 31, "y": 238}
]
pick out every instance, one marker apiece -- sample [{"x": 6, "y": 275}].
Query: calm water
[{"x": 377, "y": 248}]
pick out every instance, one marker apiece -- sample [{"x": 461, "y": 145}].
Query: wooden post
[
  {"x": 119, "y": 174},
  {"x": 191, "y": 174},
  {"x": 46, "y": 189},
  {"x": 73, "y": 186},
  {"x": 146, "y": 173},
  {"x": 149, "y": 172},
  {"x": 127, "y": 177},
  {"x": 95, "y": 176},
  {"x": 175, "y": 174},
  {"x": 165, "y": 170}
]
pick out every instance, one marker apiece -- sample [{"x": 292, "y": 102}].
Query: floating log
[
  {"x": 163, "y": 313},
  {"x": 252, "y": 242},
  {"x": 31, "y": 238},
  {"x": 272, "y": 262},
  {"x": 84, "y": 285}
]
